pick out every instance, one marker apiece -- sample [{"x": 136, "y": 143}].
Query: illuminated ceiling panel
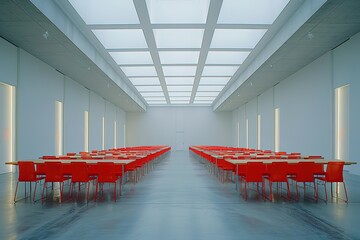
[
  {"x": 189, "y": 12},
  {"x": 106, "y": 11},
  {"x": 121, "y": 38},
  {"x": 251, "y": 12},
  {"x": 189, "y": 49},
  {"x": 236, "y": 38}
]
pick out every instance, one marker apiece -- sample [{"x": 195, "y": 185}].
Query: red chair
[
  {"x": 333, "y": 174},
  {"x": 27, "y": 173},
  {"x": 278, "y": 172},
  {"x": 105, "y": 174},
  {"x": 305, "y": 173},
  {"x": 255, "y": 172},
  {"x": 79, "y": 174},
  {"x": 54, "y": 173}
]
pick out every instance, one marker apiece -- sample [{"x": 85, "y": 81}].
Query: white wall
[
  {"x": 306, "y": 103},
  {"x": 347, "y": 71},
  {"x": 37, "y": 87},
  {"x": 266, "y": 111},
  {"x": 97, "y": 112},
  {"x": 110, "y": 118},
  {"x": 251, "y": 116},
  {"x": 76, "y": 102},
  {"x": 158, "y": 126}
]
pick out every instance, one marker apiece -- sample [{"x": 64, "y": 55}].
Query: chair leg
[
  {"x": 42, "y": 195},
  {"x": 345, "y": 193},
  {"x": 17, "y": 184},
  {"x": 35, "y": 191}
]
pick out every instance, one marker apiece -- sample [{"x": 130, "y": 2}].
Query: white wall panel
[
  {"x": 234, "y": 126},
  {"x": 121, "y": 119},
  {"x": 39, "y": 87},
  {"x": 8, "y": 63},
  {"x": 96, "y": 113},
  {"x": 76, "y": 102},
  {"x": 266, "y": 111},
  {"x": 305, "y": 101},
  {"x": 242, "y": 126},
  {"x": 110, "y": 118},
  {"x": 158, "y": 126},
  {"x": 346, "y": 62},
  {"x": 251, "y": 116}
]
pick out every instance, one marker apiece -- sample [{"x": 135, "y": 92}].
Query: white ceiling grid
[{"x": 179, "y": 52}]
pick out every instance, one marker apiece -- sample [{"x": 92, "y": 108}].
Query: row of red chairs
[
  {"x": 81, "y": 172},
  {"x": 283, "y": 172}
]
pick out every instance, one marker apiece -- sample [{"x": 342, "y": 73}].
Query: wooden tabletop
[
  {"x": 116, "y": 161},
  {"x": 290, "y": 161}
]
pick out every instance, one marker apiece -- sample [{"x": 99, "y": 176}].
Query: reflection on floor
[{"x": 179, "y": 199}]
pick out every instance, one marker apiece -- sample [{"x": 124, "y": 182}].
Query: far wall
[{"x": 168, "y": 125}]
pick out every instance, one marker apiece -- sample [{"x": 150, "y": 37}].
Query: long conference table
[{"x": 229, "y": 155}]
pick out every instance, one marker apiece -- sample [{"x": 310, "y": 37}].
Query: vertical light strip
[
  {"x": 337, "y": 123},
  {"x": 103, "y": 134},
  {"x": 58, "y": 128},
  {"x": 277, "y": 129},
  {"x": 12, "y": 129},
  {"x": 259, "y": 131},
  {"x": 115, "y": 134},
  {"x": 342, "y": 123},
  {"x": 86, "y": 131},
  {"x": 124, "y": 135},
  {"x": 247, "y": 133},
  {"x": 238, "y": 134}
]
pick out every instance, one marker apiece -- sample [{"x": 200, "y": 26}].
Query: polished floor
[{"x": 179, "y": 199}]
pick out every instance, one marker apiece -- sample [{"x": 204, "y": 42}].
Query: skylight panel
[
  {"x": 226, "y": 57},
  {"x": 208, "y": 88},
  {"x": 106, "y": 11},
  {"x": 219, "y": 70},
  {"x": 180, "y": 102},
  {"x": 179, "y": 80},
  {"x": 214, "y": 80},
  {"x": 131, "y": 58},
  {"x": 145, "y": 81},
  {"x": 149, "y": 88},
  {"x": 251, "y": 12},
  {"x": 190, "y": 11},
  {"x": 139, "y": 71},
  {"x": 121, "y": 38},
  {"x": 179, "y": 71},
  {"x": 179, "y": 98},
  {"x": 152, "y": 94},
  {"x": 179, "y": 57},
  {"x": 178, "y": 38},
  {"x": 179, "y": 94},
  {"x": 207, "y": 94},
  {"x": 236, "y": 38},
  {"x": 179, "y": 88}
]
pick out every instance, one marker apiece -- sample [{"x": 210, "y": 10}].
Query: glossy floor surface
[{"x": 179, "y": 199}]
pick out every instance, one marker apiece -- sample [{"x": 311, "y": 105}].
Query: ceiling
[
  {"x": 187, "y": 57},
  {"x": 180, "y": 52}
]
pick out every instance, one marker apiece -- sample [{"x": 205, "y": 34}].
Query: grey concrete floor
[{"x": 179, "y": 199}]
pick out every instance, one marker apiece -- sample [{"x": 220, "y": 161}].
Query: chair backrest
[
  {"x": 278, "y": 171},
  {"x": 334, "y": 172},
  {"x": 255, "y": 171},
  {"x": 106, "y": 172},
  {"x": 79, "y": 172},
  {"x": 305, "y": 171},
  {"x": 54, "y": 172},
  {"x": 26, "y": 171}
]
